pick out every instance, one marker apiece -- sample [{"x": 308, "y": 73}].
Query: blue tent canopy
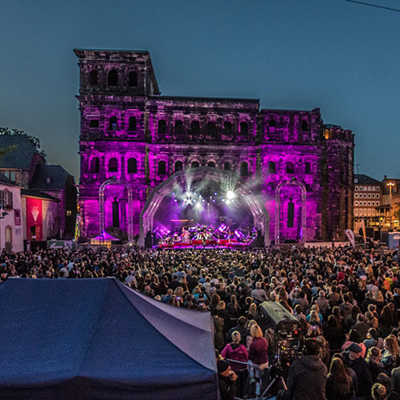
[{"x": 97, "y": 339}]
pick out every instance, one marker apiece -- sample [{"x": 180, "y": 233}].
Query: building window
[
  {"x": 227, "y": 166},
  {"x": 113, "y": 78},
  {"x": 308, "y": 187},
  {"x": 115, "y": 213},
  {"x": 178, "y": 166},
  {"x": 244, "y": 129},
  {"x": 289, "y": 168},
  {"x": 304, "y": 125},
  {"x": 271, "y": 167},
  {"x": 195, "y": 127},
  {"x": 162, "y": 168},
  {"x": 132, "y": 79},
  {"x": 68, "y": 213},
  {"x": 244, "y": 169},
  {"x": 12, "y": 176},
  {"x": 272, "y": 123},
  {"x": 94, "y": 123},
  {"x": 227, "y": 128},
  {"x": 113, "y": 123},
  {"x": 212, "y": 129},
  {"x": 195, "y": 164},
  {"x": 308, "y": 168},
  {"x": 132, "y": 124},
  {"x": 95, "y": 165},
  {"x": 211, "y": 164},
  {"x": 290, "y": 214},
  {"x": 113, "y": 165},
  {"x": 93, "y": 77},
  {"x": 179, "y": 127},
  {"x": 162, "y": 127},
  {"x": 132, "y": 166},
  {"x": 6, "y": 199}
]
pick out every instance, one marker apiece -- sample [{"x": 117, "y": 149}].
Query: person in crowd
[
  {"x": 374, "y": 360},
  {"x": 391, "y": 353},
  {"x": 339, "y": 384},
  {"x": 360, "y": 367},
  {"x": 227, "y": 380},
  {"x": 308, "y": 375},
  {"x": 236, "y": 351}
]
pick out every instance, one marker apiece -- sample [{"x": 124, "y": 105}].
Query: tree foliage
[{"x": 20, "y": 132}]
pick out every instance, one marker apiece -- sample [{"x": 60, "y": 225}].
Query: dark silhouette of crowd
[{"x": 346, "y": 299}]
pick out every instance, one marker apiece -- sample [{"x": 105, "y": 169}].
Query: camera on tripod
[{"x": 287, "y": 341}]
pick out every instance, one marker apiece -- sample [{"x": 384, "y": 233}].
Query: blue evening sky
[{"x": 295, "y": 54}]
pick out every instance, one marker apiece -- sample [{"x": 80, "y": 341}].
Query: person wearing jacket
[
  {"x": 237, "y": 352},
  {"x": 307, "y": 375}
]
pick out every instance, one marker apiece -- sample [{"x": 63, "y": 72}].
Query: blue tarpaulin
[{"x": 97, "y": 339}]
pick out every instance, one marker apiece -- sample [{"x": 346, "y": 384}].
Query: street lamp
[{"x": 390, "y": 185}]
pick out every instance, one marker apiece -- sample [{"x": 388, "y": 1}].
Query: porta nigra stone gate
[{"x": 137, "y": 139}]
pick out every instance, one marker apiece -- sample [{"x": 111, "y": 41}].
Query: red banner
[{"x": 34, "y": 219}]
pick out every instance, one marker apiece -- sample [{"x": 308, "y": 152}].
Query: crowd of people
[{"x": 347, "y": 301}]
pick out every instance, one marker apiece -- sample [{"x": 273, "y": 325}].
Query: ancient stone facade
[{"x": 130, "y": 132}]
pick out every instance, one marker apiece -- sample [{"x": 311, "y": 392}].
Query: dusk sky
[{"x": 297, "y": 54}]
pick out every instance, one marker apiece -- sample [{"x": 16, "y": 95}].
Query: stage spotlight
[
  {"x": 230, "y": 195},
  {"x": 188, "y": 198},
  {"x": 198, "y": 206}
]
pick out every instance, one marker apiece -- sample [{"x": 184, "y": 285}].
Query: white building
[{"x": 11, "y": 224}]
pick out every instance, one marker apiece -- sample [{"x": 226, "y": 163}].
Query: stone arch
[
  {"x": 255, "y": 203},
  {"x": 292, "y": 182}
]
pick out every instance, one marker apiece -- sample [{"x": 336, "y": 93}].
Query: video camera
[{"x": 288, "y": 336}]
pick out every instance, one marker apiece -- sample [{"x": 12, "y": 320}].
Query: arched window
[
  {"x": 211, "y": 164},
  {"x": 94, "y": 123},
  {"x": 113, "y": 78},
  {"x": 162, "y": 127},
  {"x": 179, "y": 127},
  {"x": 289, "y": 168},
  {"x": 272, "y": 123},
  {"x": 195, "y": 127},
  {"x": 178, "y": 166},
  {"x": 244, "y": 129},
  {"x": 132, "y": 79},
  {"x": 132, "y": 166},
  {"x": 308, "y": 168},
  {"x": 132, "y": 124},
  {"x": 113, "y": 123},
  {"x": 227, "y": 166},
  {"x": 244, "y": 169},
  {"x": 93, "y": 77},
  {"x": 95, "y": 165},
  {"x": 113, "y": 165},
  {"x": 212, "y": 129},
  {"x": 272, "y": 167},
  {"x": 195, "y": 164},
  {"x": 115, "y": 213},
  {"x": 304, "y": 125},
  {"x": 227, "y": 128},
  {"x": 162, "y": 168},
  {"x": 290, "y": 214}
]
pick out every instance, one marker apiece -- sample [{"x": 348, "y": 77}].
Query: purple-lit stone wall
[{"x": 130, "y": 132}]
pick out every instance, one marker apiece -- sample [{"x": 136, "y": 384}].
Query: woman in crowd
[{"x": 339, "y": 385}]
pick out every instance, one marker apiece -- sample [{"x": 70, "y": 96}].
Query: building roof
[
  {"x": 49, "y": 177},
  {"x": 36, "y": 193},
  {"x": 20, "y": 151},
  {"x": 360, "y": 179}
]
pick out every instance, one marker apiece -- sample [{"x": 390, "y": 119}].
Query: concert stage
[{"x": 197, "y": 244}]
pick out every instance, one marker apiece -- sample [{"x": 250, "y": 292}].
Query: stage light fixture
[{"x": 230, "y": 195}]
